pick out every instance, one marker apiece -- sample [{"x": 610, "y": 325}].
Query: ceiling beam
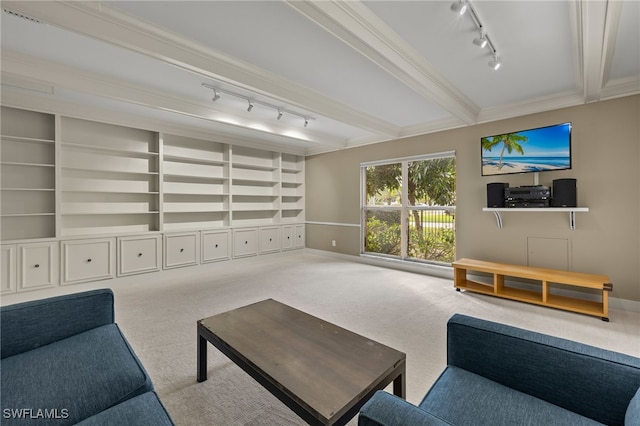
[
  {"x": 597, "y": 28},
  {"x": 358, "y": 27},
  {"x": 101, "y": 22}
]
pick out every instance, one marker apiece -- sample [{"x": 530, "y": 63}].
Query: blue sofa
[
  {"x": 502, "y": 375},
  {"x": 64, "y": 361}
]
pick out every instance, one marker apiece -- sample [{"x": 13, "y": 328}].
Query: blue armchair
[
  {"x": 502, "y": 375},
  {"x": 65, "y": 361}
]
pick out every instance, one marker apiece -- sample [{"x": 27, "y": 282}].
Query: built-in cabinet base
[{"x": 45, "y": 264}]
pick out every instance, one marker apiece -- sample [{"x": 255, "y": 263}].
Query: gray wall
[{"x": 606, "y": 163}]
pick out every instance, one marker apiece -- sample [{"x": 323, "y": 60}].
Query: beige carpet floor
[{"x": 404, "y": 310}]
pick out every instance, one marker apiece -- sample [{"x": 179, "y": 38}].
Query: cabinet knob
[
  {"x": 246, "y": 242},
  {"x": 181, "y": 250},
  {"x": 270, "y": 239},
  {"x": 88, "y": 260},
  {"x": 139, "y": 254},
  {"x": 37, "y": 265},
  {"x": 288, "y": 238},
  {"x": 216, "y": 246}
]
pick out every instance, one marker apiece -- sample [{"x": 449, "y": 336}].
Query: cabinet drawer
[
  {"x": 37, "y": 265},
  {"x": 298, "y": 236},
  {"x": 138, "y": 254},
  {"x": 8, "y": 268},
  {"x": 180, "y": 250},
  {"x": 88, "y": 260},
  {"x": 270, "y": 239},
  {"x": 245, "y": 242},
  {"x": 215, "y": 245}
]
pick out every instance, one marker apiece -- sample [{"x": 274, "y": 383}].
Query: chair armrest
[
  {"x": 590, "y": 381},
  {"x": 384, "y": 409},
  {"x": 29, "y": 325}
]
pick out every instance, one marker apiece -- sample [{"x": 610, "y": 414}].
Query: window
[{"x": 408, "y": 208}]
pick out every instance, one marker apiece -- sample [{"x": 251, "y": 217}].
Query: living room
[{"x": 402, "y": 304}]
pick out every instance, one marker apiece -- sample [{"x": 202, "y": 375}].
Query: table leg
[
  {"x": 202, "y": 358},
  {"x": 400, "y": 386}
]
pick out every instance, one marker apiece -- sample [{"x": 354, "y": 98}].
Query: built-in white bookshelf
[
  {"x": 83, "y": 200},
  {"x": 70, "y": 177},
  {"x": 255, "y": 186},
  {"x": 109, "y": 178},
  {"x": 195, "y": 183},
  {"x": 27, "y": 163},
  {"x": 292, "y": 188}
]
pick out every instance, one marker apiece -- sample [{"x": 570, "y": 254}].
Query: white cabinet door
[
  {"x": 138, "y": 254},
  {"x": 298, "y": 236},
  {"x": 245, "y": 242},
  {"x": 88, "y": 260},
  {"x": 37, "y": 265},
  {"x": 270, "y": 239},
  {"x": 181, "y": 250},
  {"x": 287, "y": 237},
  {"x": 8, "y": 268},
  {"x": 216, "y": 246}
]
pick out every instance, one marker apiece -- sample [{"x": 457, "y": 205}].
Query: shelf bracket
[
  {"x": 572, "y": 220},
  {"x": 498, "y": 218}
]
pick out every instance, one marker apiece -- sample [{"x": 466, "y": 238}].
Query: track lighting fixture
[
  {"x": 251, "y": 102},
  {"x": 459, "y": 7},
  {"x": 481, "y": 41},
  {"x": 495, "y": 63}
]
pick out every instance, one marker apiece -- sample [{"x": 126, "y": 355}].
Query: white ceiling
[{"x": 362, "y": 71}]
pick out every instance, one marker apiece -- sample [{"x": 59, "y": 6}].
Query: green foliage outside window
[{"x": 430, "y": 233}]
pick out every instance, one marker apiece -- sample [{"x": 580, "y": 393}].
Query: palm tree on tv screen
[{"x": 509, "y": 141}]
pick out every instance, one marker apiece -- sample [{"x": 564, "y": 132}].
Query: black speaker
[
  {"x": 564, "y": 193},
  {"x": 495, "y": 194}
]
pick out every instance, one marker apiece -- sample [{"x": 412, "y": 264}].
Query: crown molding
[
  {"x": 355, "y": 25},
  {"x": 545, "y": 103},
  {"x": 101, "y": 22},
  {"x": 621, "y": 87}
]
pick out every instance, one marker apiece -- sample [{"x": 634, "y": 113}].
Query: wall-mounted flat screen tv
[{"x": 527, "y": 151}]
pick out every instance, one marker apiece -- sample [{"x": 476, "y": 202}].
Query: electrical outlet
[{"x": 333, "y": 243}]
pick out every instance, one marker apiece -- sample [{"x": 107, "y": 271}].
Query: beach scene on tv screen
[{"x": 535, "y": 150}]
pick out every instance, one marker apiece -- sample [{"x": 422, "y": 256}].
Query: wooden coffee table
[{"x": 322, "y": 372}]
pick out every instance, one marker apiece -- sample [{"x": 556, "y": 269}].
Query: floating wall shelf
[{"x": 571, "y": 210}]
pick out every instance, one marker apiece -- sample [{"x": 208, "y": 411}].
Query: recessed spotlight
[{"x": 250, "y": 106}]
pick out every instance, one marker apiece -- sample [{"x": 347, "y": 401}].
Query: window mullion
[{"x": 404, "y": 219}]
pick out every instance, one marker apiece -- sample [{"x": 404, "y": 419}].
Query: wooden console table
[{"x": 543, "y": 297}]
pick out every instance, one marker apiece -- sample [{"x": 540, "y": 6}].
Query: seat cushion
[
  {"x": 79, "y": 376},
  {"x": 143, "y": 410},
  {"x": 465, "y": 398}
]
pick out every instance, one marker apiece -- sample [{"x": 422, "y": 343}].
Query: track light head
[
  {"x": 216, "y": 95},
  {"x": 306, "y": 122},
  {"x": 250, "y": 106},
  {"x": 279, "y": 115},
  {"x": 459, "y": 7},
  {"x": 481, "y": 41},
  {"x": 495, "y": 63}
]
